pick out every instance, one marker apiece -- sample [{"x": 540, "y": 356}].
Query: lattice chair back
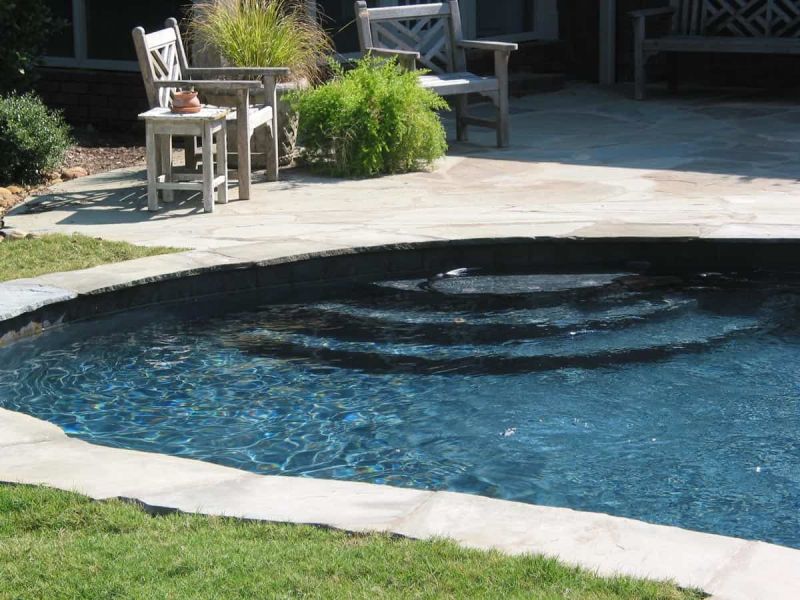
[
  {"x": 430, "y": 29},
  {"x": 161, "y": 58},
  {"x": 738, "y": 18}
]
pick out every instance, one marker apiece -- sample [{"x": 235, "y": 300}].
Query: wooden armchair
[
  {"x": 431, "y": 35},
  {"x": 162, "y": 59}
]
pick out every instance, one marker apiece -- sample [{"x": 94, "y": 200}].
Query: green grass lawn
[
  {"x": 56, "y": 252},
  {"x": 55, "y": 544}
]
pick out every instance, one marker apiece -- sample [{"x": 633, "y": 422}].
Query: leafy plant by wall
[
  {"x": 374, "y": 119},
  {"x": 33, "y": 139},
  {"x": 25, "y": 27}
]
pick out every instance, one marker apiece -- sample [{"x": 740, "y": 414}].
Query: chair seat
[
  {"x": 698, "y": 43},
  {"x": 258, "y": 115},
  {"x": 446, "y": 84}
]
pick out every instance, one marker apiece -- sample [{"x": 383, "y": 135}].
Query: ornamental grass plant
[
  {"x": 371, "y": 120},
  {"x": 262, "y": 33}
]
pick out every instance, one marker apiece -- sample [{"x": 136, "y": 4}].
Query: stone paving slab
[{"x": 21, "y": 296}]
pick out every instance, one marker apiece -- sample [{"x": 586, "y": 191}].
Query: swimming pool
[{"x": 671, "y": 399}]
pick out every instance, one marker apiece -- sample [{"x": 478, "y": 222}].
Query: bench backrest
[
  {"x": 430, "y": 29},
  {"x": 161, "y": 58},
  {"x": 737, "y": 18}
]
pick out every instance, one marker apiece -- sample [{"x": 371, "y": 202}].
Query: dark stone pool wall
[{"x": 292, "y": 278}]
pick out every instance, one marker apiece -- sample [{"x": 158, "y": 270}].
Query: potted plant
[
  {"x": 185, "y": 101},
  {"x": 264, "y": 33}
]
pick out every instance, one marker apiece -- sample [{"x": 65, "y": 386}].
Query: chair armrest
[
  {"x": 237, "y": 72},
  {"x": 405, "y": 58},
  {"x": 487, "y": 45},
  {"x": 652, "y": 12}
]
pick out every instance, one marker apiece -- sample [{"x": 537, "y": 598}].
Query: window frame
[{"x": 80, "y": 40}]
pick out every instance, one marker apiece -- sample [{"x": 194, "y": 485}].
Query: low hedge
[{"x": 33, "y": 139}]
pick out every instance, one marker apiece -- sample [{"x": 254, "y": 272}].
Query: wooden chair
[
  {"x": 162, "y": 60},
  {"x": 734, "y": 26},
  {"x": 431, "y": 35}
]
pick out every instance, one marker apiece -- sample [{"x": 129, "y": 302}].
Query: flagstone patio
[{"x": 586, "y": 161}]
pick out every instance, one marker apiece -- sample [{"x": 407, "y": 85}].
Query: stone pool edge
[
  {"x": 33, "y": 451},
  {"x": 36, "y": 452}
]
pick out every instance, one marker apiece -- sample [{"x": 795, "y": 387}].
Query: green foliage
[
  {"x": 59, "y": 545},
  {"x": 26, "y": 26},
  {"x": 33, "y": 139},
  {"x": 373, "y": 119},
  {"x": 262, "y": 33}
]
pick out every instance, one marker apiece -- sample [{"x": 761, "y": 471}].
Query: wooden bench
[
  {"x": 431, "y": 35},
  {"x": 726, "y": 26}
]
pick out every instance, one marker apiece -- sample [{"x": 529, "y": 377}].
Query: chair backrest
[
  {"x": 161, "y": 58},
  {"x": 430, "y": 29},
  {"x": 737, "y": 18}
]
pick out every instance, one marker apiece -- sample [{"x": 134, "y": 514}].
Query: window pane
[
  {"x": 62, "y": 43},
  {"x": 500, "y": 17},
  {"x": 109, "y": 24}
]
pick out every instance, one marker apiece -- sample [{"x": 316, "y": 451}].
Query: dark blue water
[{"x": 675, "y": 401}]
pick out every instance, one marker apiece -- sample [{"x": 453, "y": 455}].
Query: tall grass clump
[
  {"x": 371, "y": 120},
  {"x": 262, "y": 33}
]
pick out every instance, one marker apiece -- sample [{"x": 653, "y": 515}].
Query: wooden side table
[{"x": 161, "y": 124}]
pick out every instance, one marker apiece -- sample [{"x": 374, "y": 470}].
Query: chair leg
[
  {"x": 222, "y": 164},
  {"x": 165, "y": 150},
  {"x": 271, "y": 151},
  {"x": 208, "y": 168},
  {"x": 152, "y": 167},
  {"x": 461, "y": 112},
  {"x": 190, "y": 152},
  {"x": 243, "y": 144}
]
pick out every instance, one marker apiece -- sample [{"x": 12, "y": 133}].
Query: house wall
[{"x": 108, "y": 100}]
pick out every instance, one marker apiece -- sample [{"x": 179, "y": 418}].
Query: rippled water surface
[{"x": 669, "y": 400}]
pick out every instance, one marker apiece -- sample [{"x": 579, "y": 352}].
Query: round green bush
[
  {"x": 371, "y": 120},
  {"x": 33, "y": 139}
]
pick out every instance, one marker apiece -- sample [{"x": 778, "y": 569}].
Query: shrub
[
  {"x": 26, "y": 27},
  {"x": 262, "y": 33},
  {"x": 373, "y": 119},
  {"x": 33, "y": 139}
]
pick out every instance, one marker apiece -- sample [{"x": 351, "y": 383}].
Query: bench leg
[
  {"x": 165, "y": 149},
  {"x": 208, "y": 168},
  {"x": 222, "y": 164},
  {"x": 501, "y": 72},
  {"x": 639, "y": 60},
  {"x": 461, "y": 112},
  {"x": 672, "y": 73},
  {"x": 152, "y": 168}
]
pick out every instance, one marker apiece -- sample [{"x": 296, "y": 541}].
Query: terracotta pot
[{"x": 185, "y": 103}]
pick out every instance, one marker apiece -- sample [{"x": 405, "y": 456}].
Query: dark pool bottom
[{"x": 670, "y": 400}]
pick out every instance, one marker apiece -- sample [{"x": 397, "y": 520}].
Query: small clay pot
[{"x": 185, "y": 103}]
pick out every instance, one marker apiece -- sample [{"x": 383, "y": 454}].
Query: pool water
[{"x": 674, "y": 400}]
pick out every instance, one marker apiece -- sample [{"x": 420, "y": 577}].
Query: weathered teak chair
[
  {"x": 164, "y": 66},
  {"x": 735, "y": 26},
  {"x": 431, "y": 34}
]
